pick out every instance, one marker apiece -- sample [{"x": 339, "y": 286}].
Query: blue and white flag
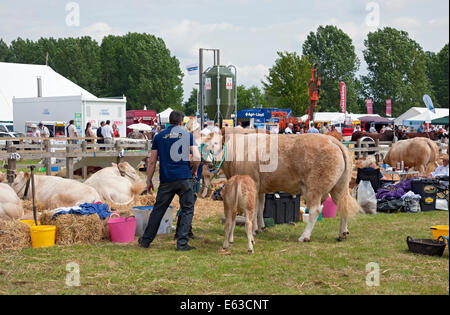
[
  {"x": 429, "y": 103},
  {"x": 192, "y": 69}
]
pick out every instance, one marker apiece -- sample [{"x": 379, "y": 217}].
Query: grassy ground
[{"x": 280, "y": 265}]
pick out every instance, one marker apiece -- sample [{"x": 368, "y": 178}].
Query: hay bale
[
  {"x": 14, "y": 235},
  {"x": 146, "y": 200},
  {"x": 74, "y": 229}
]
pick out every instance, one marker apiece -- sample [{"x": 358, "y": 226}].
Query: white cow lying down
[
  {"x": 119, "y": 184},
  {"x": 54, "y": 192},
  {"x": 11, "y": 207}
]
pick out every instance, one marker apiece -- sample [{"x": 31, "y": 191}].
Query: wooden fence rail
[
  {"x": 120, "y": 150},
  {"x": 69, "y": 151}
]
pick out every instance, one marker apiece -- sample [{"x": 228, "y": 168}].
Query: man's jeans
[{"x": 166, "y": 193}]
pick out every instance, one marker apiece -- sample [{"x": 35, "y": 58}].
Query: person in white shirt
[
  {"x": 441, "y": 170},
  {"x": 72, "y": 130},
  {"x": 217, "y": 129},
  {"x": 373, "y": 129},
  {"x": 239, "y": 125},
  {"x": 108, "y": 133},
  {"x": 289, "y": 128},
  {"x": 45, "y": 133},
  {"x": 35, "y": 134},
  {"x": 357, "y": 129},
  {"x": 205, "y": 131}
]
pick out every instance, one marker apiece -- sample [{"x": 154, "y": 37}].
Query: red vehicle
[{"x": 148, "y": 117}]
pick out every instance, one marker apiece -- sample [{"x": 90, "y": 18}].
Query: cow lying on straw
[
  {"x": 119, "y": 184},
  {"x": 314, "y": 165},
  {"x": 54, "y": 192},
  {"x": 239, "y": 196},
  {"x": 11, "y": 207}
]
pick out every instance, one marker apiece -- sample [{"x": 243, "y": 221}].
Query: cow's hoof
[
  {"x": 304, "y": 240},
  {"x": 251, "y": 252}
]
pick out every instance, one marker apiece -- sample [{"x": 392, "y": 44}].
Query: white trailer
[{"x": 79, "y": 108}]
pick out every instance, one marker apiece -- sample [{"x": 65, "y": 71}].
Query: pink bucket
[
  {"x": 122, "y": 230},
  {"x": 329, "y": 209}
]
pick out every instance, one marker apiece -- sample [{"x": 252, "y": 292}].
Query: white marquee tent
[
  {"x": 164, "y": 116},
  {"x": 20, "y": 81},
  {"x": 421, "y": 114}
]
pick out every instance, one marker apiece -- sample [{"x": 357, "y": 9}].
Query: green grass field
[{"x": 280, "y": 265}]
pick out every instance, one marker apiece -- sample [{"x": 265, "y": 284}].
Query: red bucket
[{"x": 122, "y": 230}]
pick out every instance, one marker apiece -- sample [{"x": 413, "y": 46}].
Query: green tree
[
  {"x": 397, "y": 69},
  {"x": 190, "y": 107},
  {"x": 141, "y": 67},
  {"x": 437, "y": 73},
  {"x": 25, "y": 51},
  {"x": 250, "y": 97},
  {"x": 333, "y": 50},
  {"x": 288, "y": 81},
  {"x": 5, "y": 53},
  {"x": 78, "y": 59}
]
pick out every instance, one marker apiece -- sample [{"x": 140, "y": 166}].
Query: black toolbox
[
  {"x": 426, "y": 189},
  {"x": 282, "y": 207}
]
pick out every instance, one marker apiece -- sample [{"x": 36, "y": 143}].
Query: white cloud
[{"x": 99, "y": 30}]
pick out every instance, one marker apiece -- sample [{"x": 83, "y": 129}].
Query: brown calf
[{"x": 239, "y": 197}]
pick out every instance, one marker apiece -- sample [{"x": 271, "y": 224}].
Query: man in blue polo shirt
[{"x": 173, "y": 147}]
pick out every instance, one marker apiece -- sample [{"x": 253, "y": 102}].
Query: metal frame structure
[{"x": 201, "y": 96}]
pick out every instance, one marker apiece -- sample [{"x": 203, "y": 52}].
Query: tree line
[
  {"x": 397, "y": 69},
  {"x": 139, "y": 66}
]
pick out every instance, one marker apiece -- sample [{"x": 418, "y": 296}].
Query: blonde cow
[
  {"x": 11, "y": 207},
  {"x": 119, "y": 184},
  {"x": 54, "y": 192},
  {"x": 239, "y": 197},
  {"x": 314, "y": 165},
  {"x": 417, "y": 153}
]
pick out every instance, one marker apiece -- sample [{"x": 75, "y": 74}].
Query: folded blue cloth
[{"x": 87, "y": 209}]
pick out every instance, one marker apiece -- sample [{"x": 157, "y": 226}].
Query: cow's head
[
  {"x": 20, "y": 183},
  {"x": 126, "y": 170},
  {"x": 212, "y": 148}
]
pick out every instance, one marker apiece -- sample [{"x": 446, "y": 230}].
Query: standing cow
[
  {"x": 239, "y": 197},
  {"x": 417, "y": 153},
  {"x": 312, "y": 164}
]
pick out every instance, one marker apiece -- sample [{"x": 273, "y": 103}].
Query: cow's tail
[{"x": 346, "y": 204}]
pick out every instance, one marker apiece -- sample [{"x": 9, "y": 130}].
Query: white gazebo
[{"x": 164, "y": 116}]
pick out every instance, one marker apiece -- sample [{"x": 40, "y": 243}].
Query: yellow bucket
[
  {"x": 440, "y": 230},
  {"x": 43, "y": 236},
  {"x": 30, "y": 223}
]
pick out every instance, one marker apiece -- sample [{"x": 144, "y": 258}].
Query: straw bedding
[
  {"x": 74, "y": 229},
  {"x": 14, "y": 235}
]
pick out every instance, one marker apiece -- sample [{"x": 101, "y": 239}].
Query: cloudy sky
[{"x": 248, "y": 32}]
